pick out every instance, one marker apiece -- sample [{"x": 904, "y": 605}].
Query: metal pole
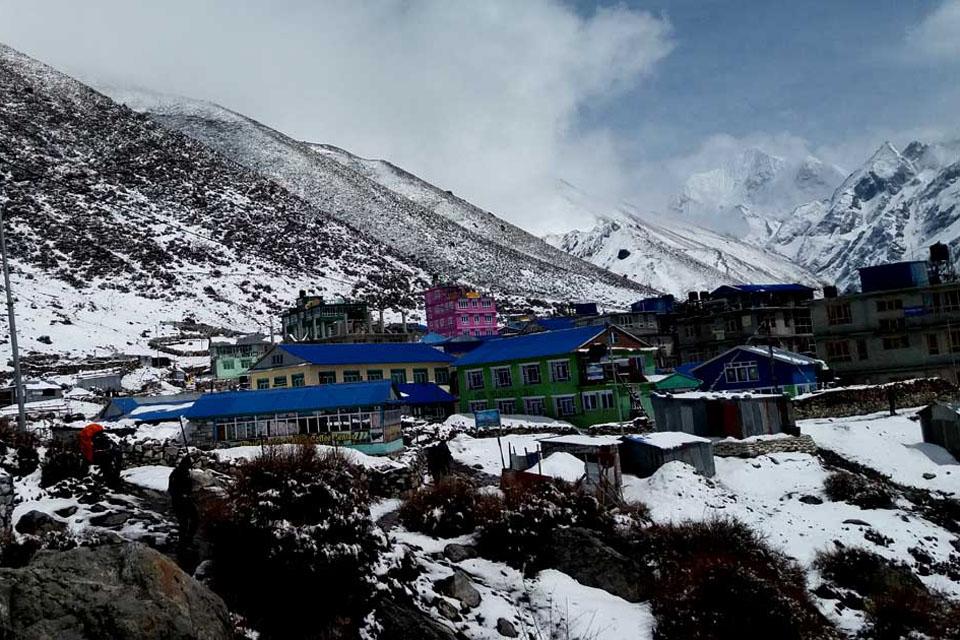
[{"x": 17, "y": 379}]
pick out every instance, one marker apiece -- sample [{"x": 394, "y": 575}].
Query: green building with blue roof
[{"x": 587, "y": 375}]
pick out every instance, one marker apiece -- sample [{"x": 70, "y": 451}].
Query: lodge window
[
  {"x": 280, "y": 381},
  {"x": 559, "y": 370},
  {"x": 276, "y": 358},
  {"x": 507, "y": 405},
  {"x": 421, "y": 376},
  {"x": 263, "y": 383},
  {"x": 530, "y": 373},
  {"x": 465, "y": 319},
  {"x": 534, "y": 406},
  {"x": 327, "y": 377},
  {"x": 733, "y": 324},
  {"x": 564, "y": 405},
  {"x": 374, "y": 374},
  {"x": 838, "y": 351},
  {"x": 475, "y": 379},
  {"x": 889, "y": 305},
  {"x": 228, "y": 363},
  {"x": 741, "y": 371},
  {"x": 895, "y": 342},
  {"x": 462, "y": 304},
  {"x": 892, "y": 325},
  {"x": 596, "y": 400},
  {"x": 862, "y": 349},
  {"x": 245, "y": 364},
  {"x": 473, "y": 303},
  {"x": 803, "y": 324},
  {"x": 839, "y": 314},
  {"x": 486, "y": 302},
  {"x": 502, "y": 377},
  {"x": 441, "y": 375},
  {"x": 933, "y": 344},
  {"x": 954, "y": 340},
  {"x": 296, "y": 380},
  {"x": 478, "y": 405},
  {"x": 948, "y": 300},
  {"x": 398, "y": 375},
  {"x": 351, "y": 376}
]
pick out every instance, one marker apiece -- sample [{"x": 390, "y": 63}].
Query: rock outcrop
[{"x": 111, "y": 591}]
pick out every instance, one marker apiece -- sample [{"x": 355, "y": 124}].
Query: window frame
[
  {"x": 563, "y": 398},
  {"x": 377, "y": 374},
  {"x": 495, "y": 375},
  {"x": 539, "y": 399},
  {"x": 468, "y": 379},
  {"x": 562, "y": 361},
  {"x": 523, "y": 373},
  {"x": 298, "y": 377}
]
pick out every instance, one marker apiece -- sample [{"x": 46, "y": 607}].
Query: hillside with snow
[
  {"x": 891, "y": 208},
  {"x": 116, "y": 225},
  {"x": 668, "y": 253},
  {"x": 444, "y": 234}
]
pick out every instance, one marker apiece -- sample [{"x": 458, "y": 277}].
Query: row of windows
[
  {"x": 529, "y": 373},
  {"x": 741, "y": 371},
  {"x": 231, "y": 363},
  {"x": 839, "y": 350},
  {"x": 563, "y": 406},
  {"x": 441, "y": 375}
]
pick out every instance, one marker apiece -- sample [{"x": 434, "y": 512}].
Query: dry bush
[
  {"x": 60, "y": 462},
  {"x": 24, "y": 445},
  {"x": 293, "y": 546},
  {"x": 897, "y": 603},
  {"x": 843, "y": 486},
  {"x": 531, "y": 513},
  {"x": 719, "y": 579},
  {"x": 448, "y": 508}
]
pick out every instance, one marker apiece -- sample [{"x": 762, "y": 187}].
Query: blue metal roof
[
  {"x": 534, "y": 345},
  {"x": 161, "y": 416},
  {"x": 763, "y": 288},
  {"x": 296, "y": 399},
  {"x": 551, "y": 324},
  {"x": 433, "y": 338},
  {"x": 423, "y": 393},
  {"x": 387, "y": 353}
]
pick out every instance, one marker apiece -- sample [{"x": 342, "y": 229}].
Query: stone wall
[
  {"x": 6, "y": 501},
  {"x": 762, "y": 446},
  {"x": 862, "y": 399}
]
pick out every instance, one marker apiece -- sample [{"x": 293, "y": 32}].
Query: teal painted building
[
  {"x": 586, "y": 376},
  {"x": 231, "y": 359}
]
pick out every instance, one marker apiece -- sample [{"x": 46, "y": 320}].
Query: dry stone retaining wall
[
  {"x": 6, "y": 500},
  {"x": 864, "y": 399},
  {"x": 754, "y": 448}
]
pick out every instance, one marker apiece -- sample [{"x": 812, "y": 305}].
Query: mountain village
[{"x": 296, "y": 419}]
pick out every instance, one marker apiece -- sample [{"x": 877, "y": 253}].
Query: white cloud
[
  {"x": 937, "y": 36},
  {"x": 479, "y": 97}
]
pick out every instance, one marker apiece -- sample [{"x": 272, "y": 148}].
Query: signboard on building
[
  {"x": 487, "y": 419},
  {"x": 912, "y": 312}
]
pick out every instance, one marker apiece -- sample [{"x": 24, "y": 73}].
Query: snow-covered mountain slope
[
  {"x": 116, "y": 224},
  {"x": 892, "y": 208},
  {"x": 752, "y": 191},
  {"x": 444, "y": 234},
  {"x": 671, "y": 255}
]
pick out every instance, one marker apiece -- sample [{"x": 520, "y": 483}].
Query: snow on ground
[
  {"x": 560, "y": 465},
  {"x": 519, "y": 421},
  {"x": 138, "y": 378},
  {"x": 764, "y": 493},
  {"x": 547, "y": 604},
  {"x": 153, "y": 477},
  {"x": 589, "y": 612},
  {"x": 249, "y": 452},
  {"x": 485, "y": 453},
  {"x": 892, "y": 445},
  {"x": 59, "y": 406}
]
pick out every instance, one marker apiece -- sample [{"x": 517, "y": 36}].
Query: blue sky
[
  {"x": 498, "y": 100},
  {"x": 828, "y": 71}
]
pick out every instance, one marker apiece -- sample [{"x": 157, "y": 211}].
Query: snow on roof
[
  {"x": 720, "y": 395},
  {"x": 584, "y": 441},
  {"x": 667, "y": 439},
  {"x": 97, "y": 373},
  {"x": 780, "y": 355},
  {"x": 560, "y": 465},
  {"x": 38, "y": 385}
]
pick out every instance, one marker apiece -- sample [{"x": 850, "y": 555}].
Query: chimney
[{"x": 830, "y": 291}]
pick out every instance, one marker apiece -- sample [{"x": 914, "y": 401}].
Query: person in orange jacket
[{"x": 98, "y": 449}]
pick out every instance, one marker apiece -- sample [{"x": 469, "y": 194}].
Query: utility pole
[{"x": 17, "y": 379}]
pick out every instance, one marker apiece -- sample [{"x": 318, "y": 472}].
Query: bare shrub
[
  {"x": 293, "y": 546},
  {"x": 843, "y": 486},
  {"x": 450, "y": 507}
]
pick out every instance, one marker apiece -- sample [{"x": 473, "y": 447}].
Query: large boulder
[
  {"x": 459, "y": 587},
  {"x": 403, "y": 621},
  {"x": 583, "y": 556},
  {"x": 116, "y": 591},
  {"x": 37, "y": 523}
]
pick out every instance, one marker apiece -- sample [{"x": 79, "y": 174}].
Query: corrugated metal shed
[
  {"x": 642, "y": 455},
  {"x": 722, "y": 415},
  {"x": 314, "y": 398},
  {"x": 940, "y": 423}
]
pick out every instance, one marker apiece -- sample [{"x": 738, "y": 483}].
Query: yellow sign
[{"x": 472, "y": 294}]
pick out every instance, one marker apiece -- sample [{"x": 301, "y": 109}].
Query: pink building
[{"x": 453, "y": 310}]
